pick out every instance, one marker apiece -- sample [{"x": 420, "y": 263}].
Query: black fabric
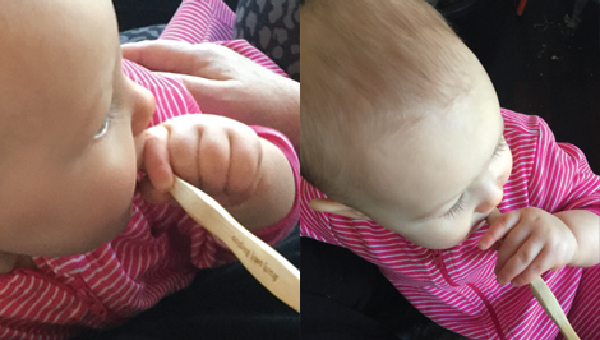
[
  {"x": 274, "y": 28},
  {"x": 342, "y": 295},
  {"x": 132, "y": 14},
  {"x": 345, "y": 297},
  {"x": 142, "y": 33}
]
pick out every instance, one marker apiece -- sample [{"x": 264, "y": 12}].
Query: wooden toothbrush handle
[
  {"x": 546, "y": 299},
  {"x": 544, "y": 295},
  {"x": 271, "y": 269}
]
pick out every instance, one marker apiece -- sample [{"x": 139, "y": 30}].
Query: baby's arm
[
  {"x": 561, "y": 224},
  {"x": 585, "y": 226},
  {"x": 564, "y": 183},
  {"x": 275, "y": 195}
]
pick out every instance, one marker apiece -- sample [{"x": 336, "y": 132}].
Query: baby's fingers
[
  {"x": 540, "y": 265},
  {"x": 521, "y": 260},
  {"x": 498, "y": 229},
  {"x": 155, "y": 159},
  {"x": 151, "y": 195}
]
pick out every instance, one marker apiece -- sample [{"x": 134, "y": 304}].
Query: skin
[
  {"x": 420, "y": 173},
  {"x": 66, "y": 187},
  {"x": 63, "y": 191},
  {"x": 438, "y": 160},
  {"x": 226, "y": 83}
]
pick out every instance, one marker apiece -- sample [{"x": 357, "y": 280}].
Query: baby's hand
[
  {"x": 218, "y": 155},
  {"x": 530, "y": 241}
]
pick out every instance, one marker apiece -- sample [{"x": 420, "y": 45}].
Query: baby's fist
[{"x": 216, "y": 154}]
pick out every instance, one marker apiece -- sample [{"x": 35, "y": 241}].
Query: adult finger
[
  {"x": 199, "y": 85},
  {"x": 202, "y": 60},
  {"x": 214, "y": 96},
  {"x": 163, "y": 55}
]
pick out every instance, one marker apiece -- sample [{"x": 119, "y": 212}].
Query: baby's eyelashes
[{"x": 105, "y": 126}]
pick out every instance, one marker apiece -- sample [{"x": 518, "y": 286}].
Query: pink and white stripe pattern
[
  {"x": 456, "y": 287},
  {"x": 161, "y": 249}
]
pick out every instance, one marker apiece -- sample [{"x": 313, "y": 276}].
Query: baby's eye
[
  {"x": 105, "y": 126},
  {"x": 456, "y": 208},
  {"x": 502, "y": 146}
]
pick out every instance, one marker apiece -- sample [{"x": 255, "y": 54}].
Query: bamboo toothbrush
[
  {"x": 271, "y": 269},
  {"x": 547, "y": 300}
]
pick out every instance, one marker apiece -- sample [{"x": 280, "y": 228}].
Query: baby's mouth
[{"x": 478, "y": 224}]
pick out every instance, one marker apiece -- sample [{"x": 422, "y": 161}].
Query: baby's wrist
[{"x": 583, "y": 225}]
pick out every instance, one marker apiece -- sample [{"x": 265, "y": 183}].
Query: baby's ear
[{"x": 330, "y": 206}]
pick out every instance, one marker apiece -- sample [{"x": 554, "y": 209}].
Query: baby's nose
[
  {"x": 139, "y": 141},
  {"x": 493, "y": 197},
  {"x": 143, "y": 109}
]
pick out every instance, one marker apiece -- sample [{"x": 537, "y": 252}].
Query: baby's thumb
[{"x": 155, "y": 159}]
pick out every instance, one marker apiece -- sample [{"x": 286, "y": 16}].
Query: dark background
[
  {"x": 537, "y": 69},
  {"x": 140, "y": 13}
]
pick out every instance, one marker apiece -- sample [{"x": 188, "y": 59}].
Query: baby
[
  {"x": 402, "y": 132},
  {"x": 85, "y": 241}
]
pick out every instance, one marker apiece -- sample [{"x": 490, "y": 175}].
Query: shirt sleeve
[
  {"x": 314, "y": 224},
  {"x": 199, "y": 21},
  {"x": 562, "y": 178}
]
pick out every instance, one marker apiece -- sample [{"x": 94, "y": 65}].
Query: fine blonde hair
[{"x": 367, "y": 67}]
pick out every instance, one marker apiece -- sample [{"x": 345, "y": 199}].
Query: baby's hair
[{"x": 368, "y": 66}]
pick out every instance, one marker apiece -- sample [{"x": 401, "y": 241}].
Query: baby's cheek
[
  {"x": 116, "y": 188},
  {"x": 508, "y": 163},
  {"x": 121, "y": 179}
]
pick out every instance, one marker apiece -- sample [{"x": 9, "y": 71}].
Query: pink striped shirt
[
  {"x": 161, "y": 249},
  {"x": 457, "y": 287}
]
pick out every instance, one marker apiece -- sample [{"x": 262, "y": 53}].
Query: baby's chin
[
  {"x": 439, "y": 242},
  {"x": 442, "y": 242},
  {"x": 115, "y": 228}
]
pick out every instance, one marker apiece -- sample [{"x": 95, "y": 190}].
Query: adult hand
[{"x": 225, "y": 83}]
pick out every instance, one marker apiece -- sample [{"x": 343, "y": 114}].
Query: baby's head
[
  {"x": 70, "y": 122},
  {"x": 399, "y": 120}
]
